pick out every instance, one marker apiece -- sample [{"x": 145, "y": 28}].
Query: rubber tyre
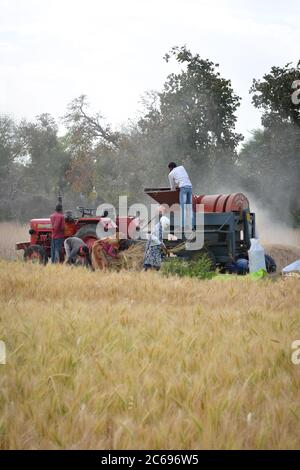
[
  {"x": 35, "y": 253},
  {"x": 86, "y": 233}
]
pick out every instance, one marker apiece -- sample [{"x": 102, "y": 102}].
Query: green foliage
[
  {"x": 46, "y": 156},
  {"x": 270, "y": 169},
  {"x": 296, "y": 218},
  {"x": 33, "y": 161},
  {"x": 192, "y": 120},
  {"x": 203, "y": 100},
  {"x": 95, "y": 152},
  {"x": 269, "y": 162},
  {"x": 11, "y": 172},
  {"x": 7, "y": 144},
  {"x": 199, "y": 268},
  {"x": 273, "y": 93}
]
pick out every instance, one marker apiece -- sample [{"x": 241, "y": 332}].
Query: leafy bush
[
  {"x": 200, "y": 267},
  {"x": 296, "y": 218}
]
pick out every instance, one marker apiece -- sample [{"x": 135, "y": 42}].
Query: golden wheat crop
[
  {"x": 127, "y": 360},
  {"x": 10, "y": 234}
]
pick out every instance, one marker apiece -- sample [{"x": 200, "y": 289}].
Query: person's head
[
  {"x": 160, "y": 211},
  {"x": 105, "y": 214},
  {"x": 172, "y": 165},
  {"x": 58, "y": 207},
  {"x": 165, "y": 223},
  {"x": 83, "y": 250},
  {"x": 124, "y": 244}
]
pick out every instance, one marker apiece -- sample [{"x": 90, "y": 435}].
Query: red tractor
[{"x": 84, "y": 227}]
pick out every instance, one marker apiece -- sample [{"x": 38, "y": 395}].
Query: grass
[
  {"x": 200, "y": 268},
  {"x": 10, "y": 234},
  {"x": 127, "y": 360}
]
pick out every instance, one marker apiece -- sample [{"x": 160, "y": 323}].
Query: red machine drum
[{"x": 234, "y": 202}]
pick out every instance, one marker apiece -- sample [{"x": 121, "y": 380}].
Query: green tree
[
  {"x": 33, "y": 161},
  {"x": 45, "y": 154},
  {"x": 193, "y": 119},
  {"x": 89, "y": 140},
  {"x": 11, "y": 170},
  {"x": 271, "y": 157},
  {"x": 273, "y": 93}
]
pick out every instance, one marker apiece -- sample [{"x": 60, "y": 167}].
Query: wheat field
[
  {"x": 138, "y": 361},
  {"x": 10, "y": 234}
]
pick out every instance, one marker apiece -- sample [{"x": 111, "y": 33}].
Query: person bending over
[{"x": 77, "y": 250}]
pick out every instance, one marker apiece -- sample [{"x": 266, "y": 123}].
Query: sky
[{"x": 52, "y": 51}]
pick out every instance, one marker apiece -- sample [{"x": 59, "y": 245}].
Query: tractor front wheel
[{"x": 35, "y": 254}]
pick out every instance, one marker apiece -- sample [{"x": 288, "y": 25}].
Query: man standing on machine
[{"x": 179, "y": 179}]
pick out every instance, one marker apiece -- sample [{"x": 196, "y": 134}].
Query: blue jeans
[
  {"x": 186, "y": 197},
  {"x": 56, "y": 249}
]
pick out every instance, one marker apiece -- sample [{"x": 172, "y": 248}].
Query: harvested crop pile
[
  {"x": 282, "y": 254},
  {"x": 130, "y": 259}
]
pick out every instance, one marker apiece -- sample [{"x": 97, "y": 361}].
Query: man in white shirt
[{"x": 179, "y": 179}]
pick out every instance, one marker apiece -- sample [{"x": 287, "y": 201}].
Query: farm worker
[
  {"x": 241, "y": 266},
  {"x": 75, "y": 247},
  {"x": 107, "y": 249},
  {"x": 58, "y": 226},
  {"x": 103, "y": 250},
  {"x": 155, "y": 245},
  {"x": 179, "y": 179}
]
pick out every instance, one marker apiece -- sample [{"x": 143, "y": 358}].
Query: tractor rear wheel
[
  {"x": 88, "y": 234},
  {"x": 35, "y": 254}
]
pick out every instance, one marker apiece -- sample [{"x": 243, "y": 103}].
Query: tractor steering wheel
[{"x": 85, "y": 211}]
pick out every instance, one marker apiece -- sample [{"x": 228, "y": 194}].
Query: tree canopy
[
  {"x": 271, "y": 159},
  {"x": 191, "y": 120}
]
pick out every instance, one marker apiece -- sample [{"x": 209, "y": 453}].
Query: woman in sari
[
  {"x": 107, "y": 250},
  {"x": 104, "y": 251},
  {"x": 155, "y": 245}
]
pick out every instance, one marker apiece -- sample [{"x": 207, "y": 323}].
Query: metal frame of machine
[{"x": 228, "y": 223}]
